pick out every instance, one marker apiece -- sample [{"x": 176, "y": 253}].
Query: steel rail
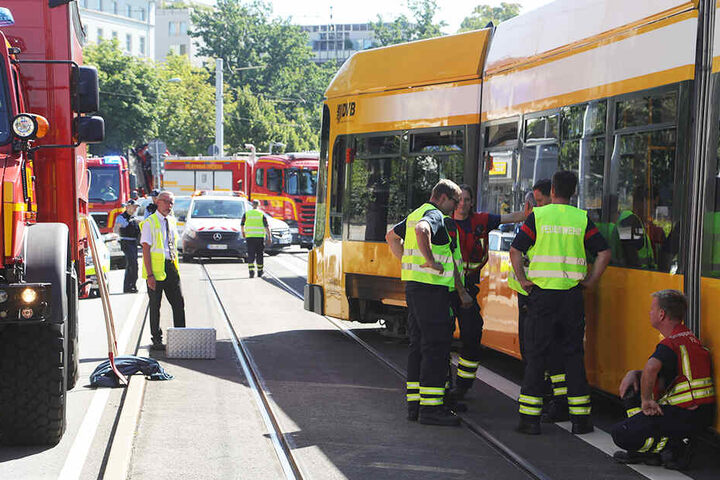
[
  {"x": 510, "y": 455},
  {"x": 282, "y": 446}
]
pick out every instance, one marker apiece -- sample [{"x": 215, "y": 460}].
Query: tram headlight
[{"x": 28, "y": 296}]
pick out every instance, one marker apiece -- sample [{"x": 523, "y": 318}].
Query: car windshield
[
  {"x": 217, "y": 209},
  {"x": 301, "y": 181},
  {"x": 104, "y": 184},
  {"x": 181, "y": 206}
]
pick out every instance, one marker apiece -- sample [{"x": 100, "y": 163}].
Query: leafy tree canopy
[
  {"x": 403, "y": 29},
  {"x": 484, "y": 14}
]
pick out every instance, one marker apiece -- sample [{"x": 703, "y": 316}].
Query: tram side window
[
  {"x": 337, "y": 185},
  {"x": 641, "y": 227},
  {"x": 582, "y": 150},
  {"x": 320, "y": 203},
  {"x": 711, "y": 244},
  {"x": 377, "y": 188},
  {"x": 274, "y": 179},
  {"x": 501, "y": 134}
]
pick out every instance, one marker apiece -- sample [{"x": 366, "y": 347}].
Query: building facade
[
  {"x": 171, "y": 35},
  {"x": 130, "y": 22},
  {"x": 339, "y": 41}
]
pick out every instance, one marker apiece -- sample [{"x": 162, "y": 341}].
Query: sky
[{"x": 350, "y": 11}]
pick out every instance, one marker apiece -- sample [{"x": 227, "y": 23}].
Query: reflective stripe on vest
[
  {"x": 557, "y": 260},
  {"x": 254, "y": 226},
  {"x": 687, "y": 391},
  {"x": 157, "y": 249},
  {"x": 412, "y": 259}
]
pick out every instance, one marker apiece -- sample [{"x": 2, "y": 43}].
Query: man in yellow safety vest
[{"x": 256, "y": 232}]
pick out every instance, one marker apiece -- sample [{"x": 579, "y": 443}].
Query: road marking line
[
  {"x": 598, "y": 439},
  {"x": 75, "y": 461}
]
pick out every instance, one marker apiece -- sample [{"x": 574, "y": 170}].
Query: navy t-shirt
[{"x": 436, "y": 220}]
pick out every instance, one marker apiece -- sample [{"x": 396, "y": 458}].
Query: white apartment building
[
  {"x": 171, "y": 35},
  {"x": 339, "y": 41},
  {"x": 131, "y": 22}
]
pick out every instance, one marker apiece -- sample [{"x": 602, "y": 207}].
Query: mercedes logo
[{"x": 217, "y": 236}]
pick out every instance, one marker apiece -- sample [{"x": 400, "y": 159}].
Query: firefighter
[
  {"x": 472, "y": 231},
  {"x": 160, "y": 265},
  {"x": 152, "y": 206},
  {"x": 672, "y": 398},
  {"x": 558, "y": 234},
  {"x": 128, "y": 228},
  {"x": 430, "y": 270},
  {"x": 256, "y": 232}
]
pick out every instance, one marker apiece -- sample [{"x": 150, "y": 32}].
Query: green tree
[
  {"x": 403, "y": 29},
  {"x": 286, "y": 92},
  {"x": 484, "y": 14},
  {"x": 129, "y": 97},
  {"x": 186, "y": 109}
]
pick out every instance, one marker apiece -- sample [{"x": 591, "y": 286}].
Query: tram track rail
[
  {"x": 500, "y": 447},
  {"x": 281, "y": 444}
]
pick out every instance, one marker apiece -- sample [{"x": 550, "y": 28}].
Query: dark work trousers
[
  {"x": 652, "y": 434},
  {"x": 171, "y": 287},
  {"x": 256, "y": 249},
  {"x": 555, "y": 385},
  {"x": 471, "y": 327},
  {"x": 430, "y": 329},
  {"x": 129, "y": 248},
  {"x": 555, "y": 320}
]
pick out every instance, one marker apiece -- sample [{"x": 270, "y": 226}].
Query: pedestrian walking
[
  {"x": 256, "y": 231},
  {"x": 431, "y": 269},
  {"x": 671, "y": 400},
  {"x": 128, "y": 228},
  {"x": 472, "y": 232},
  {"x": 555, "y": 238},
  {"x": 160, "y": 265}
]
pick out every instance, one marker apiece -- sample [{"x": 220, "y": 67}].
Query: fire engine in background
[
  {"x": 110, "y": 185},
  {"x": 44, "y": 95},
  {"x": 285, "y": 184}
]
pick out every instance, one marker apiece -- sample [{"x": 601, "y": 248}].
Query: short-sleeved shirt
[
  {"x": 669, "y": 361},
  {"x": 594, "y": 241},
  {"x": 265, "y": 222},
  {"x": 436, "y": 220},
  {"x": 474, "y": 232},
  {"x": 146, "y": 234}
]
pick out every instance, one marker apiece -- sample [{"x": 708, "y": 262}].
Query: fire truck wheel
[
  {"x": 73, "y": 315},
  {"x": 32, "y": 393}
]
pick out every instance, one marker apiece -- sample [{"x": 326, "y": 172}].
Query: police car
[{"x": 213, "y": 228}]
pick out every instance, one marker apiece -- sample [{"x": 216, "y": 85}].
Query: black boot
[
  {"x": 678, "y": 455},
  {"x": 438, "y": 415},
  {"x": 413, "y": 411},
  {"x": 459, "y": 392},
  {"x": 633, "y": 458},
  {"x": 557, "y": 411},
  {"x": 529, "y": 426},
  {"x": 582, "y": 424}
]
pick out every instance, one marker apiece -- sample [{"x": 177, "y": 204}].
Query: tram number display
[
  {"x": 345, "y": 110},
  {"x": 499, "y": 168}
]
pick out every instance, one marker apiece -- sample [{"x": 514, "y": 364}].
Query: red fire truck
[
  {"x": 44, "y": 95},
  {"x": 285, "y": 184},
  {"x": 110, "y": 185}
]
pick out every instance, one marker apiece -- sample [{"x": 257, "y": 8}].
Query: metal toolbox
[{"x": 190, "y": 343}]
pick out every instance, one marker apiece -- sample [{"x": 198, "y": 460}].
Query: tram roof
[
  {"x": 567, "y": 24},
  {"x": 424, "y": 62}
]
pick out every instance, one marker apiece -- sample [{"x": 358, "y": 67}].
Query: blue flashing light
[
  {"x": 112, "y": 160},
  {"x": 6, "y": 17}
]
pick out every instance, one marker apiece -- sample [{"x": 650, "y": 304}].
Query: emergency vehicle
[
  {"x": 110, "y": 185},
  {"x": 44, "y": 94},
  {"x": 284, "y": 184}
]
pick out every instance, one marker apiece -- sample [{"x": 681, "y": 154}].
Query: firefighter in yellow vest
[
  {"x": 257, "y": 233},
  {"x": 158, "y": 236},
  {"x": 672, "y": 398},
  {"x": 555, "y": 237},
  {"x": 431, "y": 269}
]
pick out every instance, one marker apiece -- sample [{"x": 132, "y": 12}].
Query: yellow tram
[{"x": 604, "y": 88}]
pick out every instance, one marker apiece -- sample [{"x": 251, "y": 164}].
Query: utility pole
[{"x": 219, "y": 131}]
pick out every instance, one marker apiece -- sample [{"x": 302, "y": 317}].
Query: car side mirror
[{"x": 89, "y": 129}]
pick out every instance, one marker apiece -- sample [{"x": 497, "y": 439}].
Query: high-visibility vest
[
  {"x": 157, "y": 249},
  {"x": 456, "y": 252},
  {"x": 254, "y": 226},
  {"x": 557, "y": 260},
  {"x": 512, "y": 280},
  {"x": 693, "y": 385},
  {"x": 412, "y": 259}
]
